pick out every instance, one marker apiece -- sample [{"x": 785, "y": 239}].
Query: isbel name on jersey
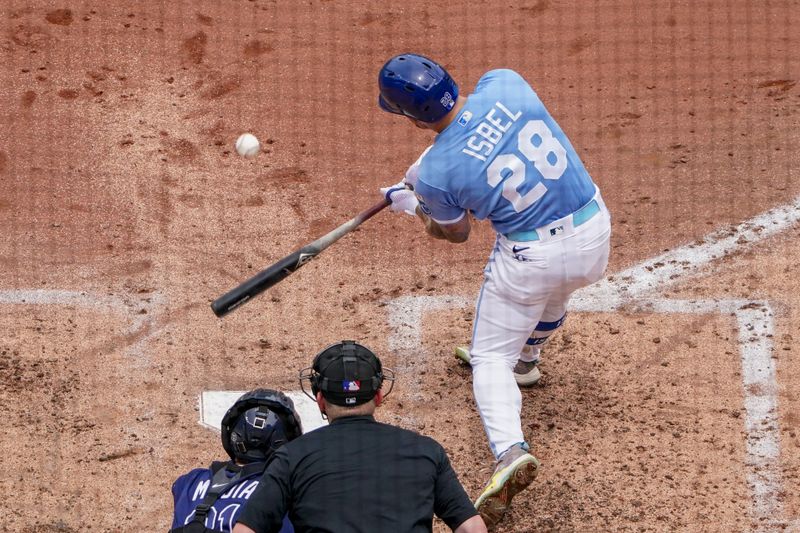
[{"x": 490, "y": 131}]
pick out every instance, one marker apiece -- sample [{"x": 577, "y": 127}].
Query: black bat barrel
[
  {"x": 283, "y": 268},
  {"x": 262, "y": 281}
]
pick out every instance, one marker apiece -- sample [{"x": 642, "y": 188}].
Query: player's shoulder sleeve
[
  {"x": 440, "y": 205},
  {"x": 176, "y": 487},
  {"x": 186, "y": 480},
  {"x": 412, "y": 174},
  {"x": 183, "y": 490},
  {"x": 434, "y": 188}
]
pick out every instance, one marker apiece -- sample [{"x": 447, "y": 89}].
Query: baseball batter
[{"x": 499, "y": 155}]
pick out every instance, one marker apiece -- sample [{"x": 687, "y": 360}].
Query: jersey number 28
[{"x": 551, "y": 167}]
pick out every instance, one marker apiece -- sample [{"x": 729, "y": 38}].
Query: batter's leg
[
  {"x": 500, "y": 331},
  {"x": 526, "y": 371},
  {"x": 544, "y": 329},
  {"x": 586, "y": 258}
]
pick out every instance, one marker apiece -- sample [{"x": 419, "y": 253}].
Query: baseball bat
[{"x": 289, "y": 264}]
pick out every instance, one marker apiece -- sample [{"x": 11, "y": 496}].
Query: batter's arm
[{"x": 457, "y": 232}]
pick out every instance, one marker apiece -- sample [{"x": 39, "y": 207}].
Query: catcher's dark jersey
[
  {"x": 358, "y": 475},
  {"x": 189, "y": 490}
]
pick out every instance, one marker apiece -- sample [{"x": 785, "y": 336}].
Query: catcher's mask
[
  {"x": 347, "y": 374},
  {"x": 259, "y": 423}
]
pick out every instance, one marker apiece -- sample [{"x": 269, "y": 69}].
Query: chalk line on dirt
[
  {"x": 675, "y": 266},
  {"x": 138, "y": 321},
  {"x": 640, "y": 288}
]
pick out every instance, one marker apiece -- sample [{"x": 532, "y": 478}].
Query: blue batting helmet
[{"x": 417, "y": 87}]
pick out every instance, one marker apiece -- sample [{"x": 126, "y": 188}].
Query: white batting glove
[{"x": 401, "y": 198}]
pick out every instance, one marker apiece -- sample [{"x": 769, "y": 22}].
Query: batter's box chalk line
[
  {"x": 641, "y": 289},
  {"x": 140, "y": 314}
]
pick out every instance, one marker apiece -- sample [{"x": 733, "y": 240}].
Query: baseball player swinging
[{"x": 500, "y": 155}]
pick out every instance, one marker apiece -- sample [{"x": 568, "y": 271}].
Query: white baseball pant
[{"x": 520, "y": 290}]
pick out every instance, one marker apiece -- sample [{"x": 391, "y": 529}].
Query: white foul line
[
  {"x": 97, "y": 302},
  {"x": 405, "y": 320},
  {"x": 640, "y": 288},
  {"x": 654, "y": 274}
]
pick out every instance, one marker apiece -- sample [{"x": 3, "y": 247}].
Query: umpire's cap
[{"x": 346, "y": 373}]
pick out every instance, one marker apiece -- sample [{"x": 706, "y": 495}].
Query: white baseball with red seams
[{"x": 247, "y": 145}]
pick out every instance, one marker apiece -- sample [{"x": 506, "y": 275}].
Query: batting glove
[{"x": 401, "y": 198}]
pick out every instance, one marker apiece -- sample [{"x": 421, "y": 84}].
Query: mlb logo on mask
[{"x": 351, "y": 386}]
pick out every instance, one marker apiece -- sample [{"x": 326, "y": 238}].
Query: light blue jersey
[{"x": 503, "y": 158}]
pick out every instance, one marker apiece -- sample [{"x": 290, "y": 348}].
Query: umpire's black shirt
[{"x": 358, "y": 475}]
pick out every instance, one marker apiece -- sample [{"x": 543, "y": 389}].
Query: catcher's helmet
[
  {"x": 259, "y": 423},
  {"x": 414, "y": 86}
]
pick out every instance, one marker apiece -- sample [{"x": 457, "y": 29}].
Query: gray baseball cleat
[
  {"x": 525, "y": 373},
  {"x": 515, "y": 470}
]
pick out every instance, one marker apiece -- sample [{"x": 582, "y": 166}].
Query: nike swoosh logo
[
  {"x": 517, "y": 249},
  {"x": 218, "y": 485}
]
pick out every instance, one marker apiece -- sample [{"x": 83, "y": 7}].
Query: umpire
[{"x": 356, "y": 474}]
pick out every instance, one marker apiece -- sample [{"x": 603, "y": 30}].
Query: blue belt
[{"x": 578, "y": 217}]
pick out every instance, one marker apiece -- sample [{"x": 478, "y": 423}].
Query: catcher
[{"x": 209, "y": 500}]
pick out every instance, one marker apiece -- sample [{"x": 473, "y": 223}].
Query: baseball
[{"x": 247, "y": 145}]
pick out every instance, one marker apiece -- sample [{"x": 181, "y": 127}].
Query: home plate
[{"x": 215, "y": 403}]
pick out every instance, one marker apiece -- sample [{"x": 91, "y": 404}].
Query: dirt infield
[{"x": 671, "y": 397}]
